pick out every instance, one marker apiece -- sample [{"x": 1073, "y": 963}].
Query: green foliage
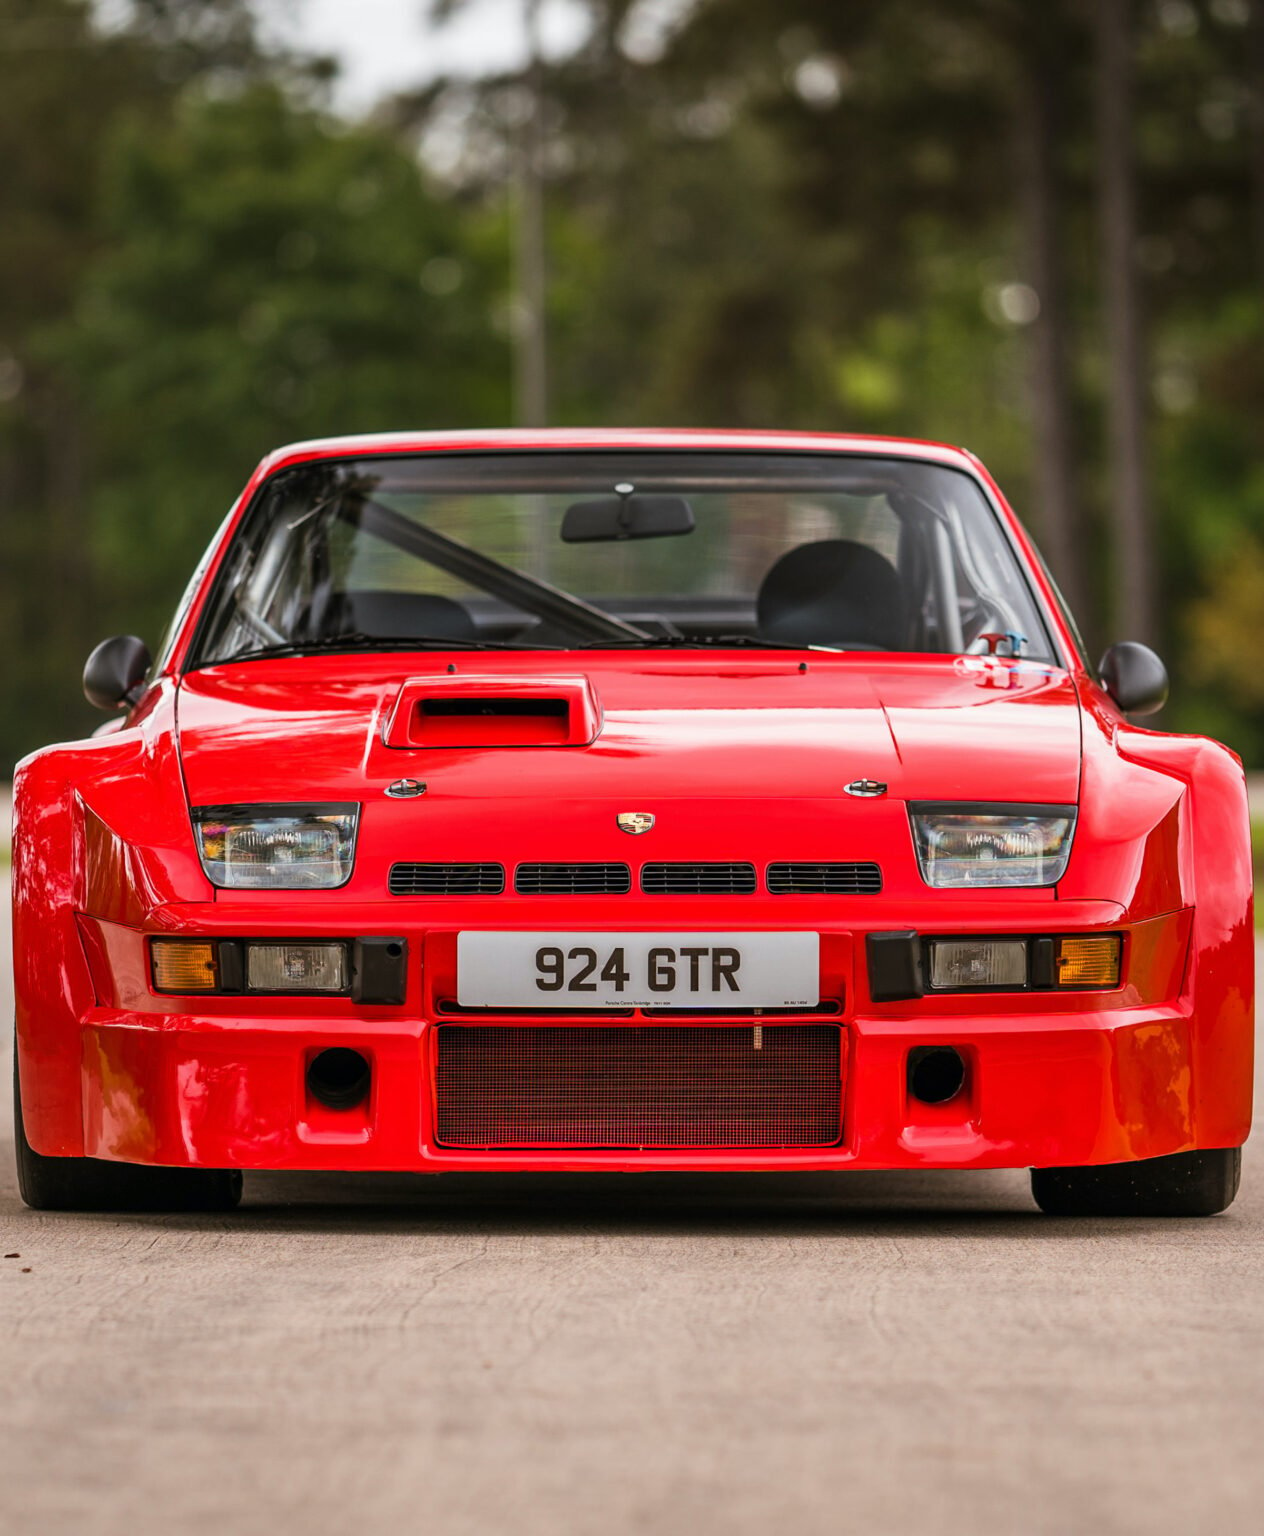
[
  {"x": 805, "y": 213},
  {"x": 270, "y": 275},
  {"x": 58, "y": 83},
  {"x": 197, "y": 264}
]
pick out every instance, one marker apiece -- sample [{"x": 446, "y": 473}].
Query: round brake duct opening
[
  {"x": 338, "y": 1078},
  {"x": 936, "y": 1073}
]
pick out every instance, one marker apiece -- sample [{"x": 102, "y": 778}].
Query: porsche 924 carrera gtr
[{"x": 629, "y": 800}]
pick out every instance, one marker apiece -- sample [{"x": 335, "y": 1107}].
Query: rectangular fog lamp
[
  {"x": 183, "y": 965},
  {"x": 960, "y": 965},
  {"x": 1089, "y": 962},
  {"x": 296, "y": 967}
]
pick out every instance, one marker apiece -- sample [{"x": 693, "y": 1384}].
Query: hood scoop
[{"x": 494, "y": 712}]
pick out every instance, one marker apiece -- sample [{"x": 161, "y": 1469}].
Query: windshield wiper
[
  {"x": 703, "y": 642},
  {"x": 355, "y": 641}
]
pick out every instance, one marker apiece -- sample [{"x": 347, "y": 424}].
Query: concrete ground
[{"x": 876, "y": 1353}]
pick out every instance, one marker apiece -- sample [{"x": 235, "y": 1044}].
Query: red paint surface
[{"x": 739, "y": 756}]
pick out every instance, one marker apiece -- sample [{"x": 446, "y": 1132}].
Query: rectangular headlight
[
  {"x": 296, "y": 967},
  {"x": 277, "y": 847},
  {"x": 992, "y": 845},
  {"x": 968, "y": 965}
]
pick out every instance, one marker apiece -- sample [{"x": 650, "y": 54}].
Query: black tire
[
  {"x": 1184, "y": 1184},
  {"x": 92, "y": 1184}
]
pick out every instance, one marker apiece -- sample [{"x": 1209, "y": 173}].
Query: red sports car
[{"x": 629, "y": 800}]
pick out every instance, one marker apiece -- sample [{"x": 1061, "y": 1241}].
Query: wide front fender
[
  {"x": 1164, "y": 825},
  {"x": 1216, "y": 875},
  {"x": 99, "y": 826}
]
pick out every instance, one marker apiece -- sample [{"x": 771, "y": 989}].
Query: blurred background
[{"x": 1035, "y": 229}]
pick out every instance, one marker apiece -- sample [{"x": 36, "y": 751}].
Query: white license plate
[{"x": 638, "y": 970}]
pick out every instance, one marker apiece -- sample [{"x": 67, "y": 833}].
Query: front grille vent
[
  {"x": 447, "y": 879},
  {"x": 824, "y": 879},
  {"x": 775, "y": 1085},
  {"x": 572, "y": 879},
  {"x": 798, "y": 879},
  {"x": 698, "y": 879}
]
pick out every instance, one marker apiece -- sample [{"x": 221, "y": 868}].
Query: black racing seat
[
  {"x": 834, "y": 592},
  {"x": 408, "y": 615}
]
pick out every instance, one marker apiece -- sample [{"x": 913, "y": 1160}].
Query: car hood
[{"x": 682, "y": 725}]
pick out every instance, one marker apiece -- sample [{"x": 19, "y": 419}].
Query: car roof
[{"x": 562, "y": 438}]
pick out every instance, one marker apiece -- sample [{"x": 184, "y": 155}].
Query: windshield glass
[{"x": 571, "y": 550}]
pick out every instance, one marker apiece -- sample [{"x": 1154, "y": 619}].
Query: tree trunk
[
  {"x": 66, "y": 535},
  {"x": 532, "y": 347},
  {"x": 1135, "y": 605},
  {"x": 1256, "y": 84},
  {"x": 1036, "y": 122}
]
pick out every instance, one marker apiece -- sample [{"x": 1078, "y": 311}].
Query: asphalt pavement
[{"x": 879, "y": 1353}]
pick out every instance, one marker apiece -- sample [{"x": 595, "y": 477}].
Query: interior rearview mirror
[
  {"x": 1134, "y": 677},
  {"x": 114, "y": 674},
  {"x": 626, "y": 517}
]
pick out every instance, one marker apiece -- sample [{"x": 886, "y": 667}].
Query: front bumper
[
  {"x": 1040, "y": 1091},
  {"x": 1050, "y": 1080}
]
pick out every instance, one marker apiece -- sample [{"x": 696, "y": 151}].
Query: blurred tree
[
  {"x": 1121, "y": 300},
  {"x": 269, "y": 275},
  {"x": 799, "y": 212},
  {"x": 531, "y": 392},
  {"x": 199, "y": 265},
  {"x": 1042, "y": 44},
  {"x": 1255, "y": 108},
  {"x": 1222, "y": 628},
  {"x": 902, "y": 216},
  {"x": 64, "y": 84}
]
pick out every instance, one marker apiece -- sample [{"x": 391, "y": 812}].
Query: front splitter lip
[{"x": 1050, "y": 1090}]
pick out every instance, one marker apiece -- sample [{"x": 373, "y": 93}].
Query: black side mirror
[
  {"x": 1134, "y": 677},
  {"x": 115, "y": 672}
]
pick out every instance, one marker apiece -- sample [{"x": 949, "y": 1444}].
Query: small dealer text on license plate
[{"x": 638, "y": 970}]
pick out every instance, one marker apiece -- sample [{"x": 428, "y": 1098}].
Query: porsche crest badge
[{"x": 634, "y": 821}]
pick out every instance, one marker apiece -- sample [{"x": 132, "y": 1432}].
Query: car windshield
[{"x": 633, "y": 549}]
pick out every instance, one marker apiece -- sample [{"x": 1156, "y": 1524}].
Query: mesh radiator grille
[
  {"x": 698, "y": 879},
  {"x": 824, "y": 879},
  {"x": 447, "y": 879},
  {"x": 616, "y": 1086},
  {"x": 573, "y": 879}
]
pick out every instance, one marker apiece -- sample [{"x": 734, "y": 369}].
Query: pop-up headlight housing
[
  {"x": 277, "y": 847},
  {"x": 960, "y": 846}
]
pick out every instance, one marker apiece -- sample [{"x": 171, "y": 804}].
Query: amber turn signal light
[
  {"x": 1089, "y": 962},
  {"x": 183, "y": 965}
]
